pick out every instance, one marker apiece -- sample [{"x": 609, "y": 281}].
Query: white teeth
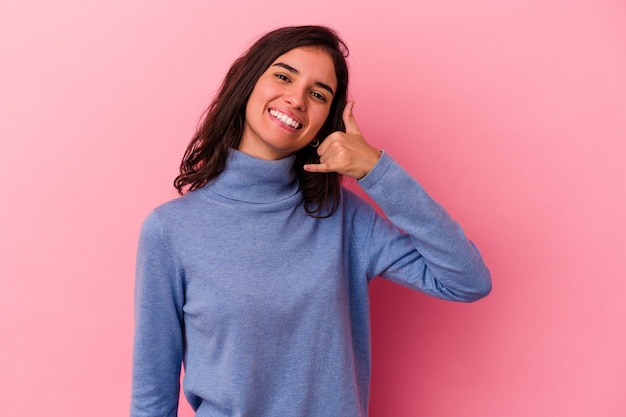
[{"x": 285, "y": 119}]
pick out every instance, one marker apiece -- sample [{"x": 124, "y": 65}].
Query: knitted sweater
[{"x": 266, "y": 306}]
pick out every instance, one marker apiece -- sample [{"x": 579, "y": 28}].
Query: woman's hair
[{"x": 223, "y": 122}]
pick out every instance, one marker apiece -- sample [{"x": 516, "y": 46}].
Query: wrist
[{"x": 372, "y": 160}]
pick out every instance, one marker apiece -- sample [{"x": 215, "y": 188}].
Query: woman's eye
[
  {"x": 282, "y": 77},
  {"x": 318, "y": 96}
]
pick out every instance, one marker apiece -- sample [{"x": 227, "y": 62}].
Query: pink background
[{"x": 512, "y": 114}]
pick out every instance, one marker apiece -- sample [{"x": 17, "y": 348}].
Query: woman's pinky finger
[{"x": 317, "y": 168}]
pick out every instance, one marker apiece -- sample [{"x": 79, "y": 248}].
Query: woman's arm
[
  {"x": 422, "y": 248},
  {"x": 158, "y": 343},
  {"x": 430, "y": 253}
]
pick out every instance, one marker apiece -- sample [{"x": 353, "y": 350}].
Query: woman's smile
[{"x": 285, "y": 119}]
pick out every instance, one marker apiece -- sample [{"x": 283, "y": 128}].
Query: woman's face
[{"x": 289, "y": 103}]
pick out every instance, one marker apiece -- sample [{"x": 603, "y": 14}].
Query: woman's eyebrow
[{"x": 295, "y": 71}]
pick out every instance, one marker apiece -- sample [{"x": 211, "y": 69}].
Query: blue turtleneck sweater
[{"x": 266, "y": 306}]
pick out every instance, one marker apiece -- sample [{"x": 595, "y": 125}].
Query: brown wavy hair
[{"x": 222, "y": 125}]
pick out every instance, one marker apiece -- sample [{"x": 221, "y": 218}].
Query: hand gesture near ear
[{"x": 346, "y": 153}]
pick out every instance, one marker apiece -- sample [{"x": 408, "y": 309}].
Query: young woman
[{"x": 256, "y": 280}]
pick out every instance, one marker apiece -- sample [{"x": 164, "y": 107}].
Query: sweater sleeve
[
  {"x": 158, "y": 342},
  {"x": 424, "y": 249}
]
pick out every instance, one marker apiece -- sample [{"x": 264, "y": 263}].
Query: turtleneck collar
[{"x": 252, "y": 180}]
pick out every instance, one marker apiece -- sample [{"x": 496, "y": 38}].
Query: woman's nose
[{"x": 296, "y": 98}]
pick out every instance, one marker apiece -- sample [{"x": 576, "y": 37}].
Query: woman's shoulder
[
  {"x": 356, "y": 202},
  {"x": 177, "y": 207},
  {"x": 181, "y": 202}
]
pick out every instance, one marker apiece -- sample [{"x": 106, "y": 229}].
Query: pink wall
[{"x": 512, "y": 113}]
